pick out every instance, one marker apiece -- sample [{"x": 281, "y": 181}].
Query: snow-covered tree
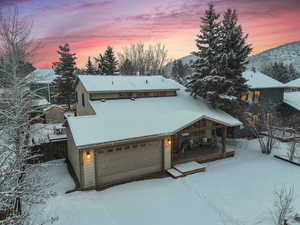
[
  {"x": 110, "y": 62},
  {"x": 234, "y": 54},
  {"x": 206, "y": 81},
  {"x": 100, "y": 61},
  {"x": 20, "y": 185},
  {"x": 126, "y": 68},
  {"x": 65, "y": 81},
  {"x": 222, "y": 53},
  {"x": 179, "y": 71},
  {"x": 89, "y": 67},
  {"x": 281, "y": 72}
]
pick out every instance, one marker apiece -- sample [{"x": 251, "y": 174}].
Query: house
[
  {"x": 292, "y": 97},
  {"x": 41, "y": 80},
  {"x": 293, "y": 86},
  {"x": 132, "y": 126},
  {"x": 265, "y": 94}
]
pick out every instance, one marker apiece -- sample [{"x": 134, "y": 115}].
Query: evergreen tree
[
  {"x": 127, "y": 68},
  {"x": 233, "y": 60},
  {"x": 206, "y": 81},
  {"x": 110, "y": 62},
  {"x": 179, "y": 71},
  {"x": 281, "y": 72},
  {"x": 100, "y": 61},
  {"x": 65, "y": 82},
  {"x": 89, "y": 67}
]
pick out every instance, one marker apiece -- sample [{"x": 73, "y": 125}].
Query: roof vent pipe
[
  {"x": 112, "y": 82},
  {"x": 146, "y": 81}
]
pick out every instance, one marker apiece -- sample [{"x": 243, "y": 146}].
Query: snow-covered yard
[{"x": 238, "y": 190}]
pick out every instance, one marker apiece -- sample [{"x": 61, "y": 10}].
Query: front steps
[{"x": 184, "y": 169}]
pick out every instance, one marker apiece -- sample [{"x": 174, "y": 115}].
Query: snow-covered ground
[{"x": 238, "y": 190}]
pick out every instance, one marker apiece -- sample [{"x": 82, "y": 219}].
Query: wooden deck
[{"x": 202, "y": 156}]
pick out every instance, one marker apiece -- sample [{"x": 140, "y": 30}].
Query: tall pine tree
[
  {"x": 89, "y": 67},
  {"x": 206, "y": 81},
  {"x": 222, "y": 56},
  {"x": 234, "y": 54},
  {"x": 110, "y": 62},
  {"x": 179, "y": 71},
  {"x": 65, "y": 81}
]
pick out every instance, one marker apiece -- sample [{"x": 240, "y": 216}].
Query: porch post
[{"x": 224, "y": 136}]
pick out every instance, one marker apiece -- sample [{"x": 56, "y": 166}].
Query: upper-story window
[
  {"x": 76, "y": 97},
  {"x": 256, "y": 96},
  {"x": 252, "y": 96},
  {"x": 82, "y": 100}
]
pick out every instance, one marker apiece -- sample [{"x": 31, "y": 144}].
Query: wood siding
[
  {"x": 88, "y": 168},
  {"x": 73, "y": 154},
  {"x": 128, "y": 95},
  {"x": 87, "y": 108}
]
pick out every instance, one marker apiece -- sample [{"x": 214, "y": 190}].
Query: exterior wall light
[
  {"x": 169, "y": 141},
  {"x": 88, "y": 155}
]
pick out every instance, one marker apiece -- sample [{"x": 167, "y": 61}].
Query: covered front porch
[{"x": 203, "y": 141}]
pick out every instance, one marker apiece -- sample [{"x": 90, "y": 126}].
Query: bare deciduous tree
[
  {"x": 19, "y": 184},
  {"x": 283, "y": 205},
  {"x": 145, "y": 61}
]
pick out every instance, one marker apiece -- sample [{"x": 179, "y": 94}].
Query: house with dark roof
[
  {"x": 264, "y": 96},
  {"x": 129, "y": 127}
]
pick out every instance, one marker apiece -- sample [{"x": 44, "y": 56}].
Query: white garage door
[{"x": 126, "y": 162}]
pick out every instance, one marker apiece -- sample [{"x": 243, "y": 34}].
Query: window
[
  {"x": 267, "y": 115},
  {"x": 82, "y": 100},
  {"x": 250, "y": 96},
  {"x": 254, "y": 119},
  {"x": 76, "y": 97},
  {"x": 256, "y": 96}
]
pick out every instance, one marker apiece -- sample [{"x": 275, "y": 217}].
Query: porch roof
[{"x": 118, "y": 120}]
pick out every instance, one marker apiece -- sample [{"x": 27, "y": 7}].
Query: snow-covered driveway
[{"x": 231, "y": 191}]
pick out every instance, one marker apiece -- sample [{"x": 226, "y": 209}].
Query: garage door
[{"x": 127, "y": 162}]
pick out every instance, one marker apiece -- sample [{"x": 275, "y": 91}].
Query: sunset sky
[{"x": 90, "y": 25}]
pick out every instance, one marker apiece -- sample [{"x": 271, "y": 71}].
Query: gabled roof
[
  {"x": 118, "y": 120},
  {"x": 42, "y": 76},
  {"x": 293, "y": 83},
  {"x": 258, "y": 80},
  {"x": 292, "y": 99},
  {"x": 94, "y": 83}
]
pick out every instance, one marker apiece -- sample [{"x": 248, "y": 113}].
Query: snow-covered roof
[
  {"x": 124, "y": 119},
  {"x": 293, "y": 83},
  {"x": 42, "y": 76},
  {"x": 94, "y": 83},
  {"x": 258, "y": 80},
  {"x": 292, "y": 99}
]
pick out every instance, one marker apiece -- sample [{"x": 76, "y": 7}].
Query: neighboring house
[
  {"x": 292, "y": 97},
  {"x": 264, "y": 96},
  {"x": 41, "y": 80},
  {"x": 293, "y": 86},
  {"x": 133, "y": 126}
]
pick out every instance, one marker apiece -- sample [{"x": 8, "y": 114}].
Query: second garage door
[{"x": 127, "y": 162}]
